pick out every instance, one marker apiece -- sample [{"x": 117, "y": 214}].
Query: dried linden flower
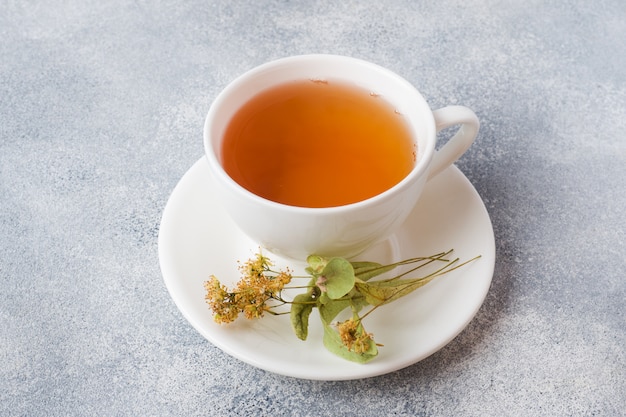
[
  {"x": 335, "y": 284},
  {"x": 258, "y": 285},
  {"x": 353, "y": 337},
  {"x": 220, "y": 301}
]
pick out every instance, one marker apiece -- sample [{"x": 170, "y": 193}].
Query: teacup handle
[{"x": 460, "y": 142}]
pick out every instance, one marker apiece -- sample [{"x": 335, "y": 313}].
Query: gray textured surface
[{"x": 101, "y": 112}]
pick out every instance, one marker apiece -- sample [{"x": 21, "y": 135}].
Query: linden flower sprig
[
  {"x": 335, "y": 285},
  {"x": 258, "y": 286}
]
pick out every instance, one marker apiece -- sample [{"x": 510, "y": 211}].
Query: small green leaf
[
  {"x": 339, "y": 277},
  {"x": 331, "y": 308},
  {"x": 301, "y": 309},
  {"x": 316, "y": 264},
  {"x": 324, "y": 299}
]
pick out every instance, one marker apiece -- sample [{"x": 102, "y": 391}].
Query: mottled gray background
[{"x": 101, "y": 112}]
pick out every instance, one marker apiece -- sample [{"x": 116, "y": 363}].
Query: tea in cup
[{"x": 324, "y": 154}]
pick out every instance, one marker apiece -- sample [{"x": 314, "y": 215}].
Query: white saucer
[{"x": 197, "y": 238}]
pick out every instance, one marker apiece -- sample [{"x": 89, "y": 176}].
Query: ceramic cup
[{"x": 296, "y": 232}]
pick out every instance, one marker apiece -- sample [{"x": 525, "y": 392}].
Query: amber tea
[{"x": 317, "y": 144}]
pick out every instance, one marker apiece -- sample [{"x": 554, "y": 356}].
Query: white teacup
[{"x": 347, "y": 230}]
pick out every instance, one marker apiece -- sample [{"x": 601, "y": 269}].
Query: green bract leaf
[
  {"x": 337, "y": 277},
  {"x": 368, "y": 270},
  {"x": 382, "y": 292}
]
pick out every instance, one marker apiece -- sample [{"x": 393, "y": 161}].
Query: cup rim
[{"x": 420, "y": 169}]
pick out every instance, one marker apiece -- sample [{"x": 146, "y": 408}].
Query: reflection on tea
[{"x": 317, "y": 144}]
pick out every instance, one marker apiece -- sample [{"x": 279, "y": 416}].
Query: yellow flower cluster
[
  {"x": 353, "y": 336},
  {"x": 258, "y": 285}
]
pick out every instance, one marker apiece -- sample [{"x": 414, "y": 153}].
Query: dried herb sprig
[{"x": 335, "y": 285}]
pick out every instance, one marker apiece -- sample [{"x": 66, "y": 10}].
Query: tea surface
[{"x": 317, "y": 144}]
